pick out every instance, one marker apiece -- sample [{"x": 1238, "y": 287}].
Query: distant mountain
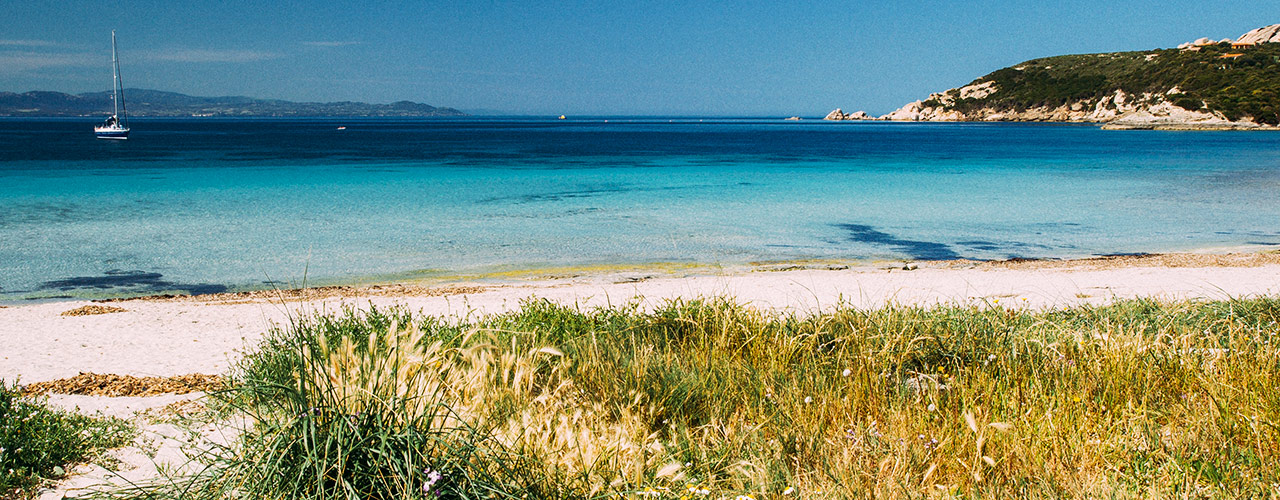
[
  {"x": 1205, "y": 84},
  {"x": 143, "y": 102}
]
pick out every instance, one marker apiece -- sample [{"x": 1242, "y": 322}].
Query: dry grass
[
  {"x": 1140, "y": 399},
  {"x": 94, "y": 384},
  {"x": 518, "y": 397},
  {"x": 90, "y": 310}
]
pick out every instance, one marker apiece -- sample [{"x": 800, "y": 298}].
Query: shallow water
[{"x": 200, "y": 205}]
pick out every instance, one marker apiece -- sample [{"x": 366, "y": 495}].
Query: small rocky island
[{"x": 1201, "y": 85}]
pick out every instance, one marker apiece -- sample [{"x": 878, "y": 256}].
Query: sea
[{"x": 204, "y": 205}]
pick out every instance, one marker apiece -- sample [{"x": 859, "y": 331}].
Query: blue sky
[{"x": 584, "y": 57}]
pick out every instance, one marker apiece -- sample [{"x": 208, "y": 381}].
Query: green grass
[
  {"x": 1140, "y": 399},
  {"x": 38, "y": 443}
]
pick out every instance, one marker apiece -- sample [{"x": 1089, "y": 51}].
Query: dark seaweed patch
[
  {"x": 994, "y": 246},
  {"x": 40, "y": 213},
  {"x": 558, "y": 196},
  {"x": 918, "y": 250},
  {"x": 555, "y": 215},
  {"x": 110, "y": 279},
  {"x": 1056, "y": 225},
  {"x": 979, "y": 245},
  {"x": 591, "y": 192},
  {"x": 130, "y": 281}
]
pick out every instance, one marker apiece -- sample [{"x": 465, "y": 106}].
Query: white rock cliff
[{"x": 1268, "y": 34}]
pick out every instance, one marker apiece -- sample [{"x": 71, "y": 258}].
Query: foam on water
[{"x": 194, "y": 206}]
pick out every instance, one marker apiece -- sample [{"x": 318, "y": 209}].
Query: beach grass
[
  {"x": 39, "y": 443},
  {"x": 710, "y": 398}
]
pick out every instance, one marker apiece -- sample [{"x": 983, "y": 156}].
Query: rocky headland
[{"x": 1201, "y": 85}]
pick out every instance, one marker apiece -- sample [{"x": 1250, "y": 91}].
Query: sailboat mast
[{"x": 118, "y": 91}]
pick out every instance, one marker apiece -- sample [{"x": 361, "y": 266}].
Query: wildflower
[
  {"x": 846, "y": 372},
  {"x": 744, "y": 497},
  {"x": 932, "y": 407},
  {"x": 433, "y": 477},
  {"x": 1076, "y": 399},
  {"x": 789, "y": 490},
  {"x": 808, "y": 399},
  {"x": 650, "y": 492}
]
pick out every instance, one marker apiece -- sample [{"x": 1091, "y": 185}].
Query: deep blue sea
[{"x": 205, "y": 205}]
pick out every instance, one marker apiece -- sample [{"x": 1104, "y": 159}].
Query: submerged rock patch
[
  {"x": 132, "y": 281},
  {"x": 918, "y": 250}
]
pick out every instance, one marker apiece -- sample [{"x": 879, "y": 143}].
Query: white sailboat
[{"x": 117, "y": 125}]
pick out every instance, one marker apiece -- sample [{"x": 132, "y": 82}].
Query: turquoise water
[{"x": 209, "y": 205}]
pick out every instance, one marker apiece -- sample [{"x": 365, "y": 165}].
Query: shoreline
[
  {"x": 1103, "y": 125},
  {"x": 434, "y": 282},
  {"x": 472, "y": 283},
  {"x": 168, "y": 336}
]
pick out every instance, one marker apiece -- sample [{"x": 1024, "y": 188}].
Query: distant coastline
[{"x": 145, "y": 102}]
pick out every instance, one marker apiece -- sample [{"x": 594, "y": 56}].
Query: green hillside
[{"x": 1244, "y": 86}]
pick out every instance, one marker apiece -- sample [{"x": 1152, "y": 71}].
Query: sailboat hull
[
  {"x": 111, "y": 133},
  {"x": 117, "y": 125}
]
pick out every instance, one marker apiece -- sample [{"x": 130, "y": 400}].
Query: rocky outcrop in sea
[{"x": 840, "y": 115}]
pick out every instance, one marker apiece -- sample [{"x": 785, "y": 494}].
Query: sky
[{"x": 742, "y": 58}]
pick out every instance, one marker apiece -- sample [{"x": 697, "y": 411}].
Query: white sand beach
[{"x": 167, "y": 337}]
